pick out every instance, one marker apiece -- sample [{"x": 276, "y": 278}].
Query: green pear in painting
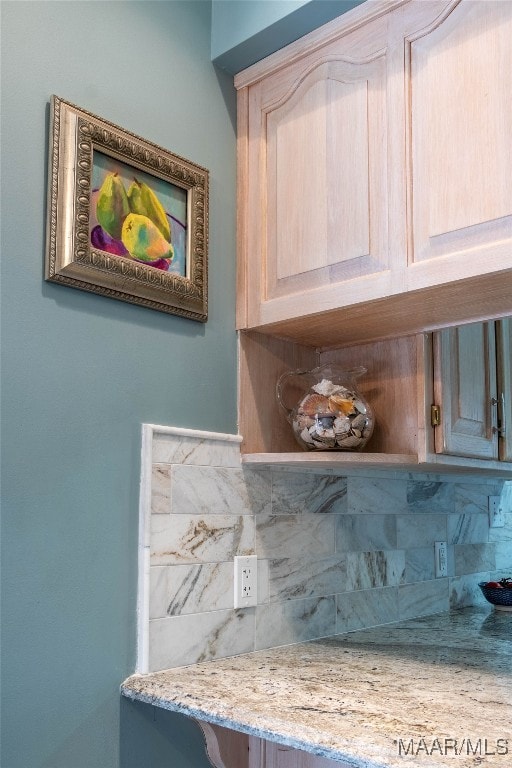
[{"x": 112, "y": 207}]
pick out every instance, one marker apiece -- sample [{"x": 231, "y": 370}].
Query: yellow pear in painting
[
  {"x": 143, "y": 240},
  {"x": 143, "y": 200}
]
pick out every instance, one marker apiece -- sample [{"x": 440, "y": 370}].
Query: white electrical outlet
[
  {"x": 246, "y": 581},
  {"x": 441, "y": 559},
  {"x": 496, "y": 512}
]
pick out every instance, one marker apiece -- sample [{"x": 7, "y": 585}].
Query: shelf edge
[{"x": 370, "y": 461}]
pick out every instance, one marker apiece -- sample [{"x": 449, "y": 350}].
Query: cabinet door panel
[
  {"x": 326, "y": 179},
  {"x": 314, "y": 215},
  {"x": 317, "y": 178},
  {"x": 464, "y": 387},
  {"x": 267, "y": 754},
  {"x": 459, "y": 69},
  {"x": 504, "y": 342}
]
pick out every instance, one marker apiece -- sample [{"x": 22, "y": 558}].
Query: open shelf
[{"x": 399, "y": 385}]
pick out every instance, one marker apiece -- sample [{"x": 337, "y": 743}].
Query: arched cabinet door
[
  {"x": 326, "y": 177},
  {"x": 317, "y": 180},
  {"x": 458, "y": 74}
]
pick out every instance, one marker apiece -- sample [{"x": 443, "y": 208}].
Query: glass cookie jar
[{"x": 329, "y": 413}]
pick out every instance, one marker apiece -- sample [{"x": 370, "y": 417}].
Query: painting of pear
[
  {"x": 143, "y": 240},
  {"x": 142, "y": 200},
  {"x": 113, "y": 205}
]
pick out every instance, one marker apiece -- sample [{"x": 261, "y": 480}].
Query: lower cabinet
[
  {"x": 268, "y": 754},
  {"x": 230, "y": 749}
]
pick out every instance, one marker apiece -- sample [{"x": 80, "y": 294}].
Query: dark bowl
[{"x": 500, "y": 598}]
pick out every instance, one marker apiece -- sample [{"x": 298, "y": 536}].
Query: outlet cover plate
[
  {"x": 441, "y": 559},
  {"x": 496, "y": 512},
  {"x": 246, "y": 581}
]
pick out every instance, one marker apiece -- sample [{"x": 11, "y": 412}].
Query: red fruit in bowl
[{"x": 494, "y": 585}]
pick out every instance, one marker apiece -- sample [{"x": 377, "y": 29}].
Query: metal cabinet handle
[
  {"x": 501, "y": 415},
  {"x": 500, "y": 430}
]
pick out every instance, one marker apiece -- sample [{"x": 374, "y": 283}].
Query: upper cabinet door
[
  {"x": 326, "y": 177},
  {"x": 317, "y": 182},
  {"x": 465, "y": 390},
  {"x": 458, "y": 68}
]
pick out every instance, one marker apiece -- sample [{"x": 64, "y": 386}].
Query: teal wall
[
  {"x": 234, "y": 21},
  {"x": 82, "y": 372},
  {"x": 245, "y": 31}
]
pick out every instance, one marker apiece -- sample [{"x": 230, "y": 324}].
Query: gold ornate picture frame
[{"x": 126, "y": 218}]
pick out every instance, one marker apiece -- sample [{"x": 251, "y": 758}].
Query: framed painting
[{"x": 126, "y": 218}]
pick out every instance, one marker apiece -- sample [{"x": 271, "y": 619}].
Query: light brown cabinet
[
  {"x": 504, "y": 360},
  {"x": 472, "y": 366},
  {"x": 375, "y": 174},
  {"x": 268, "y": 754},
  {"x": 231, "y": 749}
]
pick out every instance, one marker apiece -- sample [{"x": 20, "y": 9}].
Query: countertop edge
[{"x": 306, "y": 745}]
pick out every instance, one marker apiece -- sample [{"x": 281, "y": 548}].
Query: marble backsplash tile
[
  {"x": 472, "y": 497},
  {"x": 368, "y": 495},
  {"x": 366, "y": 608},
  {"x": 430, "y": 496},
  {"x": 219, "y": 490},
  {"x": 503, "y": 556},
  {"x": 423, "y": 598},
  {"x": 470, "y": 558},
  {"x": 179, "y": 640},
  {"x": 502, "y": 534},
  {"x": 160, "y": 489},
  {"x": 201, "y": 449},
  {"x": 294, "y": 492},
  {"x": 363, "y": 533},
  {"x": 290, "y": 578},
  {"x": 334, "y": 553},
  {"x": 419, "y": 564},
  {"x": 200, "y": 538},
  {"x": 293, "y": 535},
  {"x": 179, "y": 589},
  {"x": 425, "y": 528},
  {"x": 294, "y": 621},
  {"x": 367, "y": 570},
  {"x": 468, "y": 528}
]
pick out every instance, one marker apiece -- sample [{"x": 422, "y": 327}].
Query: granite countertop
[{"x": 381, "y": 697}]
